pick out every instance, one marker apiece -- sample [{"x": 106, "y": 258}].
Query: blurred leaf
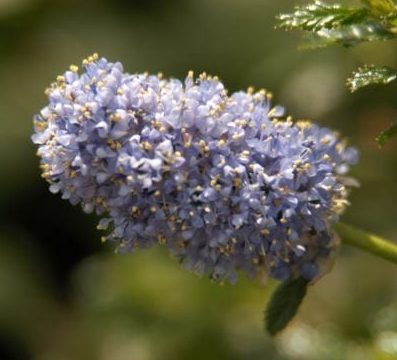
[
  {"x": 381, "y": 7},
  {"x": 284, "y": 304},
  {"x": 370, "y": 75},
  {"x": 318, "y": 15},
  {"x": 385, "y": 135},
  {"x": 349, "y": 35}
]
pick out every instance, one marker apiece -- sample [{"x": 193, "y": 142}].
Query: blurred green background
[{"x": 64, "y": 295}]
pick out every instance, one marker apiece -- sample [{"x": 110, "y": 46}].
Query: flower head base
[{"x": 225, "y": 182}]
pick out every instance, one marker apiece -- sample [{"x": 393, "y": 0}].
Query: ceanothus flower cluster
[{"x": 226, "y": 182}]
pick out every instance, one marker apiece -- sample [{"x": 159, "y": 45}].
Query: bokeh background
[{"x": 64, "y": 295}]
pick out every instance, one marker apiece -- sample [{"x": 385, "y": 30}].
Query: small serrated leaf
[
  {"x": 319, "y": 15},
  {"x": 284, "y": 304},
  {"x": 381, "y": 7},
  {"x": 386, "y": 134},
  {"x": 370, "y": 75}
]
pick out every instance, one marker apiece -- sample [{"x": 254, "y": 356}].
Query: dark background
[{"x": 64, "y": 295}]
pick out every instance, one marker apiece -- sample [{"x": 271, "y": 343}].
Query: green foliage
[
  {"x": 284, "y": 304},
  {"x": 369, "y": 75},
  {"x": 348, "y": 35},
  {"x": 381, "y": 7},
  {"x": 386, "y": 134},
  {"x": 318, "y": 15},
  {"x": 329, "y": 24}
]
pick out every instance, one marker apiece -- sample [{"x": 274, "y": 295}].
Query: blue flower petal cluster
[{"x": 226, "y": 182}]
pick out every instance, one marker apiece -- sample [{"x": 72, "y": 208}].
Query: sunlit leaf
[
  {"x": 385, "y": 135},
  {"x": 349, "y": 35},
  {"x": 284, "y": 304},
  {"x": 370, "y": 75},
  {"x": 319, "y": 15},
  {"x": 381, "y": 7}
]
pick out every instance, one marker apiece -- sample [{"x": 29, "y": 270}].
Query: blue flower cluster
[{"x": 225, "y": 182}]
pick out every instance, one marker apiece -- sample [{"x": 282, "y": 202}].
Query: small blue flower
[{"x": 226, "y": 182}]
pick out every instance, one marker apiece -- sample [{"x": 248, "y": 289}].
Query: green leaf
[
  {"x": 284, "y": 304},
  {"x": 385, "y": 135},
  {"x": 349, "y": 35},
  {"x": 381, "y": 7},
  {"x": 370, "y": 75},
  {"x": 319, "y": 15}
]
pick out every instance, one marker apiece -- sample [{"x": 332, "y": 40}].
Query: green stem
[{"x": 373, "y": 244}]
